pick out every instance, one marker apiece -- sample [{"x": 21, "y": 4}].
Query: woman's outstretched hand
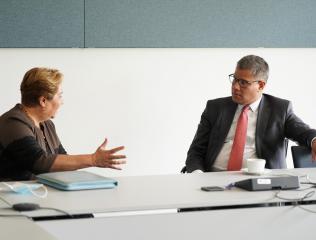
[{"x": 107, "y": 158}]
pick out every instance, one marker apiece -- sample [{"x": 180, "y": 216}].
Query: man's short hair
[{"x": 257, "y": 65}]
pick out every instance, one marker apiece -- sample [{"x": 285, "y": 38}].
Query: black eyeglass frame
[{"x": 241, "y": 82}]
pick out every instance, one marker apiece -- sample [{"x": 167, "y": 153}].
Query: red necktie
[{"x": 237, "y": 152}]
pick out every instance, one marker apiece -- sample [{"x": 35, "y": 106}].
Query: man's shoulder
[
  {"x": 275, "y": 100},
  {"x": 220, "y": 101}
]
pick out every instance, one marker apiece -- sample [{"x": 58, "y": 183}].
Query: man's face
[{"x": 248, "y": 91}]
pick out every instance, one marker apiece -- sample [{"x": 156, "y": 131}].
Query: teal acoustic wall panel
[
  {"x": 41, "y": 23},
  {"x": 157, "y": 23},
  {"x": 200, "y": 23}
]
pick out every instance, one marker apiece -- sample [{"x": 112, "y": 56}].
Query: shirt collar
[{"x": 253, "y": 106}]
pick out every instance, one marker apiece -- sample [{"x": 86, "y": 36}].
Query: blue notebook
[{"x": 75, "y": 180}]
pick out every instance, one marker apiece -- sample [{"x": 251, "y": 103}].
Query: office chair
[{"x": 302, "y": 157}]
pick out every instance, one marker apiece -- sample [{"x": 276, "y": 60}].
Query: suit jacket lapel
[
  {"x": 227, "y": 118},
  {"x": 262, "y": 121}
]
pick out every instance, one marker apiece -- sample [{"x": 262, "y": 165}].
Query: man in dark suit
[{"x": 270, "y": 121}]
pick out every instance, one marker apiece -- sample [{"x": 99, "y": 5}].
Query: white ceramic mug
[{"x": 256, "y": 165}]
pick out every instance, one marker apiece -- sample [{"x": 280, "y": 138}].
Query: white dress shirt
[{"x": 221, "y": 161}]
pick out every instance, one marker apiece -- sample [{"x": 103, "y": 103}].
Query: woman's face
[{"x": 54, "y": 104}]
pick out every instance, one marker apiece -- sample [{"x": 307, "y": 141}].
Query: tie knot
[{"x": 245, "y": 108}]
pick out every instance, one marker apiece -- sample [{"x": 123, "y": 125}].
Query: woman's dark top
[{"x": 26, "y": 150}]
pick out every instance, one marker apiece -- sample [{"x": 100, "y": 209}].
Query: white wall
[{"x": 150, "y": 100}]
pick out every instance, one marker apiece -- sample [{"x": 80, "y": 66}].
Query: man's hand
[{"x": 107, "y": 158}]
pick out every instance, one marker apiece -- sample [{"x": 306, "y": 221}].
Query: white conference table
[
  {"x": 287, "y": 222},
  {"x": 160, "y": 192},
  {"x": 18, "y": 228},
  {"x": 164, "y": 194}
]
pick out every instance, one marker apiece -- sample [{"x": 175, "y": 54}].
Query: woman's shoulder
[
  {"x": 15, "y": 114},
  {"x": 15, "y": 125}
]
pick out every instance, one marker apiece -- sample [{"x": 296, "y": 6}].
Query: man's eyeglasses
[{"x": 241, "y": 82}]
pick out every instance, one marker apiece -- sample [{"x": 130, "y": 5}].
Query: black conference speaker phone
[{"x": 273, "y": 183}]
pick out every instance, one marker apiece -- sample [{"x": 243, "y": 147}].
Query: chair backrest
[{"x": 302, "y": 157}]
